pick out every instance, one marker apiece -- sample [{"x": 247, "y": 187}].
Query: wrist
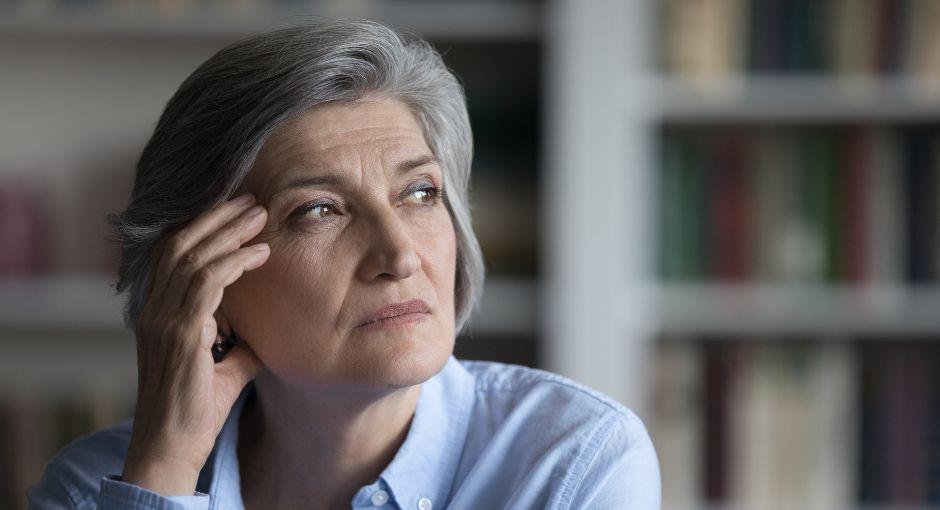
[{"x": 164, "y": 475}]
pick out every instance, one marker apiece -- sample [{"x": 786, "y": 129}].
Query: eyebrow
[{"x": 338, "y": 180}]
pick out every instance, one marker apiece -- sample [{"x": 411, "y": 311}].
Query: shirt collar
[
  {"x": 423, "y": 468},
  {"x": 425, "y": 465}
]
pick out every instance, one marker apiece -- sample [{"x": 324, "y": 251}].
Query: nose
[{"x": 391, "y": 252}]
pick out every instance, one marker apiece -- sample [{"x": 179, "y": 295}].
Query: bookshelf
[
  {"x": 706, "y": 360},
  {"x": 598, "y": 308}
]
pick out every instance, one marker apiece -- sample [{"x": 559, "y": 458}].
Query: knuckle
[
  {"x": 230, "y": 236},
  {"x": 204, "y": 277},
  {"x": 191, "y": 261},
  {"x": 190, "y": 308},
  {"x": 176, "y": 243},
  {"x": 175, "y": 333}
]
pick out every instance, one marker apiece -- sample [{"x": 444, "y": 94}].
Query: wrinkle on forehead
[
  {"x": 334, "y": 124},
  {"x": 335, "y": 135}
]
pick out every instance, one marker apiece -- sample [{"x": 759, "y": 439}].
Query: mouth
[
  {"x": 397, "y": 315},
  {"x": 397, "y": 322}
]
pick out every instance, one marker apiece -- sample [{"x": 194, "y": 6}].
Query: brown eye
[
  {"x": 318, "y": 210},
  {"x": 427, "y": 195}
]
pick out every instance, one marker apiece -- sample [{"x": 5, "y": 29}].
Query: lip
[{"x": 397, "y": 314}]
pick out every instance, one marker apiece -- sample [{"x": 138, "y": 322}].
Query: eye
[
  {"x": 427, "y": 194},
  {"x": 317, "y": 210}
]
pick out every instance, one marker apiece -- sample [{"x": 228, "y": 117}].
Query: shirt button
[
  {"x": 379, "y": 497},
  {"x": 424, "y": 504}
]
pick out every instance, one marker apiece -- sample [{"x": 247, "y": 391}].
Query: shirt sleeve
[
  {"x": 49, "y": 493},
  {"x": 624, "y": 472},
  {"x": 117, "y": 494},
  {"x": 55, "y": 492}
]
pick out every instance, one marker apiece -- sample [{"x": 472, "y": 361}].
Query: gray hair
[{"x": 211, "y": 130}]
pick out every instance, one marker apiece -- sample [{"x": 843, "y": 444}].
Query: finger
[
  {"x": 155, "y": 254},
  {"x": 226, "y": 240},
  {"x": 205, "y": 294},
  {"x": 239, "y": 367},
  {"x": 180, "y": 241}
]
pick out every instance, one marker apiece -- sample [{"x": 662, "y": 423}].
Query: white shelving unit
[
  {"x": 605, "y": 105},
  {"x": 598, "y": 241}
]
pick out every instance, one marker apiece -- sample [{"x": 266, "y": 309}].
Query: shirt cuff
[{"x": 116, "y": 493}]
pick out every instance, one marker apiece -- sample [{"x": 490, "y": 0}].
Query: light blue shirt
[{"x": 484, "y": 435}]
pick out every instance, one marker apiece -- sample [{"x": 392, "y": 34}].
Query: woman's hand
[{"x": 183, "y": 396}]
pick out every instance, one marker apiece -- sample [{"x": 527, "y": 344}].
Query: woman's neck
[{"x": 296, "y": 445}]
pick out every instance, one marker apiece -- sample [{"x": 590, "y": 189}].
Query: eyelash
[{"x": 435, "y": 193}]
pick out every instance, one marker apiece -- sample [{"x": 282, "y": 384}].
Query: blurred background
[{"x": 722, "y": 213}]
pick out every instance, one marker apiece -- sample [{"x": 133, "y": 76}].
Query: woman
[{"x": 295, "y": 343}]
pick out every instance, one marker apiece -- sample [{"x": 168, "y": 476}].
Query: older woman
[{"x": 313, "y": 367}]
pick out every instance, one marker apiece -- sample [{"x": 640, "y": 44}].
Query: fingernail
[
  {"x": 243, "y": 199},
  {"x": 258, "y": 257}
]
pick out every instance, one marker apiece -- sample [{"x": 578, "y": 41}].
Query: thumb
[{"x": 239, "y": 367}]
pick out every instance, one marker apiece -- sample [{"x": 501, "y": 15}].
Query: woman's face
[{"x": 340, "y": 250}]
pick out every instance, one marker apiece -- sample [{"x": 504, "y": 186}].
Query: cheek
[
  {"x": 274, "y": 303},
  {"x": 440, "y": 258}
]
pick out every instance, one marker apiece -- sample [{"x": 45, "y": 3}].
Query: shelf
[
  {"x": 88, "y": 304},
  {"x": 85, "y": 303},
  {"x": 63, "y": 334},
  {"x": 796, "y": 98},
  {"x": 782, "y": 310},
  {"x": 450, "y": 20}
]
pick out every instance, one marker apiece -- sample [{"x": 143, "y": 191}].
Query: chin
[
  {"x": 381, "y": 359},
  {"x": 411, "y": 360}
]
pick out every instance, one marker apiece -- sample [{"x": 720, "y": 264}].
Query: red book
[
  {"x": 854, "y": 178},
  {"x": 21, "y": 239},
  {"x": 722, "y": 358},
  {"x": 731, "y": 208}
]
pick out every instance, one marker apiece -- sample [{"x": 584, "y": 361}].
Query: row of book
[
  {"x": 720, "y": 37},
  {"x": 823, "y": 204},
  {"x": 34, "y": 427},
  {"x": 798, "y": 423}
]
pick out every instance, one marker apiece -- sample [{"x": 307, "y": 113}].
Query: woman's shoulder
[
  {"x": 496, "y": 382},
  {"x": 578, "y": 444},
  {"x": 72, "y": 477},
  {"x": 517, "y": 400}
]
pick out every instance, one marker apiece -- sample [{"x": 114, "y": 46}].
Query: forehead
[{"x": 333, "y": 133}]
